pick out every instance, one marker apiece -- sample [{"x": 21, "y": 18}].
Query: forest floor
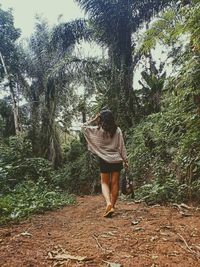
[{"x": 137, "y": 235}]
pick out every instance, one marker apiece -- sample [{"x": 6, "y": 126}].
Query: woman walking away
[{"x": 105, "y": 140}]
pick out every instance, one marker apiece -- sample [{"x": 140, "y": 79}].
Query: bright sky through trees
[
  {"x": 24, "y": 12},
  {"x": 54, "y": 11}
]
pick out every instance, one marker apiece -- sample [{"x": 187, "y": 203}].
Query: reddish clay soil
[{"x": 137, "y": 235}]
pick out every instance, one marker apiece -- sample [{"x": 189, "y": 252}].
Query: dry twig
[
  {"x": 99, "y": 245},
  {"x": 188, "y": 247}
]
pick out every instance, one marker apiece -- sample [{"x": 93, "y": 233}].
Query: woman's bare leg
[
  {"x": 114, "y": 187},
  {"x": 105, "y": 186}
]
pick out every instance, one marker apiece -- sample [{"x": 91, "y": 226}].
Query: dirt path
[{"x": 137, "y": 235}]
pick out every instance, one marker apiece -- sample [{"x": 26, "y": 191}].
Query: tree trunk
[
  {"x": 18, "y": 127},
  {"x": 126, "y": 92},
  {"x": 122, "y": 75},
  {"x": 50, "y": 145},
  {"x": 35, "y": 122}
]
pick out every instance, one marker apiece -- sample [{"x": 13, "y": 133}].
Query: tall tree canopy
[
  {"x": 113, "y": 24},
  {"x": 9, "y": 61},
  {"x": 8, "y": 35}
]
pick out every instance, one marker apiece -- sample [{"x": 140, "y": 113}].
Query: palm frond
[
  {"x": 66, "y": 35},
  {"x": 112, "y": 18}
]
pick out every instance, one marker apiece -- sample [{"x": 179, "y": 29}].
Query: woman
[{"x": 106, "y": 141}]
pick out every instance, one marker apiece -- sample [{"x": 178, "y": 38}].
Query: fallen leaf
[
  {"x": 138, "y": 201},
  {"x": 25, "y": 234},
  {"x": 154, "y": 257},
  {"x": 182, "y": 205},
  {"x": 62, "y": 257},
  {"x": 110, "y": 233},
  {"x": 138, "y": 229},
  {"x": 113, "y": 264},
  {"x": 134, "y": 222},
  {"x": 164, "y": 233},
  {"x": 174, "y": 253}
]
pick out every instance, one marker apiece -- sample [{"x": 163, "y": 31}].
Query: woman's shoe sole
[{"x": 109, "y": 213}]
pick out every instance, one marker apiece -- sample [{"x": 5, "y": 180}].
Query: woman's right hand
[
  {"x": 126, "y": 166},
  {"x": 96, "y": 117}
]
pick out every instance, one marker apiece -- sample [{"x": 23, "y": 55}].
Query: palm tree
[
  {"x": 113, "y": 23},
  {"x": 52, "y": 68},
  {"x": 44, "y": 93}
]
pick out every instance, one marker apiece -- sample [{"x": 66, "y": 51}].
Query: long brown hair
[{"x": 107, "y": 122}]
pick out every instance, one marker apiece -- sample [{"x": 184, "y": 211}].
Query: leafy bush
[
  {"x": 17, "y": 163},
  {"x": 166, "y": 145},
  {"x": 156, "y": 192},
  {"x": 169, "y": 191},
  {"x": 169, "y": 141},
  {"x": 28, "y": 198},
  {"x": 80, "y": 173}
]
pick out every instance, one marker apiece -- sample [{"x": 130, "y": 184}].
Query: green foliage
[
  {"x": 17, "y": 163},
  {"x": 171, "y": 25},
  {"x": 6, "y": 119},
  {"x": 80, "y": 172},
  {"x": 163, "y": 30},
  {"x": 8, "y": 36},
  {"x": 28, "y": 198},
  {"x": 165, "y": 147},
  {"x": 152, "y": 82},
  {"x": 168, "y": 191},
  {"x": 157, "y": 192},
  {"x": 167, "y": 142}
]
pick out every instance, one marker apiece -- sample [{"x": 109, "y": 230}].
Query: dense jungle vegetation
[{"x": 42, "y": 163}]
